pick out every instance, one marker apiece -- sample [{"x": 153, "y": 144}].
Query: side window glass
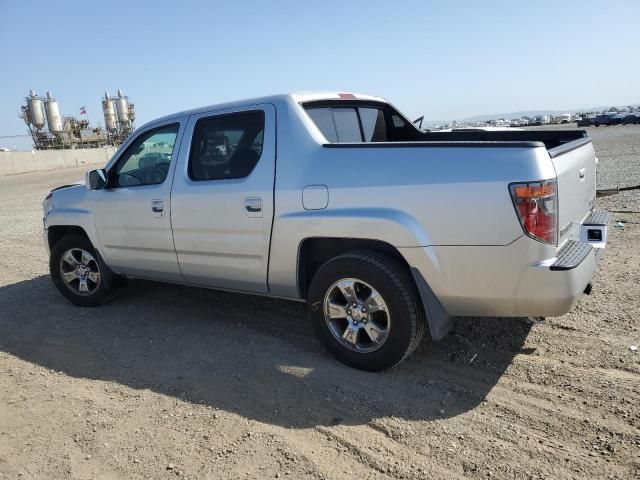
[
  {"x": 147, "y": 160},
  {"x": 226, "y": 146},
  {"x": 397, "y": 121}
]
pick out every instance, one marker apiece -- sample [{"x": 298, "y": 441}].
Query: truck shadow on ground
[{"x": 253, "y": 356}]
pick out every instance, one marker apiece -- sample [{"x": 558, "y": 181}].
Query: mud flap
[{"x": 439, "y": 320}]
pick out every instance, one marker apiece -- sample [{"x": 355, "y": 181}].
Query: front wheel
[
  {"x": 366, "y": 310},
  {"x": 79, "y": 273}
]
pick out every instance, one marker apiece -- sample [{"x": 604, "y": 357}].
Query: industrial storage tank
[
  {"x": 122, "y": 104},
  {"x": 132, "y": 113},
  {"x": 71, "y": 131},
  {"x": 35, "y": 114},
  {"x": 109, "y": 109},
  {"x": 53, "y": 114}
]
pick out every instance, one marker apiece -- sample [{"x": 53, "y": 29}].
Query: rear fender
[
  {"x": 396, "y": 228},
  {"x": 392, "y": 226}
]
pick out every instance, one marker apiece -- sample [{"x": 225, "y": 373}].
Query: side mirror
[{"x": 96, "y": 179}]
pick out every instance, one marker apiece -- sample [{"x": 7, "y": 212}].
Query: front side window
[
  {"x": 147, "y": 160},
  {"x": 226, "y": 146}
]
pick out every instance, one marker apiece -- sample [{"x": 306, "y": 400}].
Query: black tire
[
  {"x": 393, "y": 282},
  {"x": 106, "y": 287}
]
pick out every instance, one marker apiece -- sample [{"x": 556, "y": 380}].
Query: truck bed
[{"x": 551, "y": 138}]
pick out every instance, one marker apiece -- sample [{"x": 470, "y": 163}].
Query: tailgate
[{"x": 575, "y": 165}]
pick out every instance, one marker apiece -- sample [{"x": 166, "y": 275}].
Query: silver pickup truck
[{"x": 337, "y": 200}]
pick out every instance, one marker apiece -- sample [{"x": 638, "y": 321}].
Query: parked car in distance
[
  {"x": 385, "y": 231},
  {"x": 585, "y": 121},
  {"x": 631, "y": 119},
  {"x": 606, "y": 119}
]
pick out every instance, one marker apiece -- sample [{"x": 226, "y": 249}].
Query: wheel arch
[
  {"x": 313, "y": 252},
  {"x": 71, "y": 220},
  {"x": 57, "y": 232}
]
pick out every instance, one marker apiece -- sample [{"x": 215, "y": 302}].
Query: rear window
[
  {"x": 350, "y": 124},
  {"x": 346, "y": 124},
  {"x": 357, "y": 121},
  {"x": 374, "y": 128}
]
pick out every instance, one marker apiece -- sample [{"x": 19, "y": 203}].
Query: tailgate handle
[{"x": 581, "y": 173}]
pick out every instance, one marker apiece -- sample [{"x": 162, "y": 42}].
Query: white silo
[
  {"x": 53, "y": 114},
  {"x": 109, "y": 110},
  {"x": 122, "y": 106},
  {"x": 35, "y": 113}
]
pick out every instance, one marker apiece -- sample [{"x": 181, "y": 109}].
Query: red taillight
[{"x": 537, "y": 208}]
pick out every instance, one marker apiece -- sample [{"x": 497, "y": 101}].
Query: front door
[
  {"x": 222, "y": 198},
  {"x": 132, "y": 213}
]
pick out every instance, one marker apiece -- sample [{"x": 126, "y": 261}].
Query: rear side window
[
  {"x": 226, "y": 146},
  {"x": 350, "y": 124}
]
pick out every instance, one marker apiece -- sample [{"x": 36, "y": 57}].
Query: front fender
[{"x": 74, "y": 217}]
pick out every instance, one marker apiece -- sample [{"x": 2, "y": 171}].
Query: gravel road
[{"x": 167, "y": 381}]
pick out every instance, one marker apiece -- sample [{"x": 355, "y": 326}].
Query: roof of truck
[{"x": 297, "y": 97}]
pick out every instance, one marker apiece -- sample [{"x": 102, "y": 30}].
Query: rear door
[{"x": 222, "y": 198}]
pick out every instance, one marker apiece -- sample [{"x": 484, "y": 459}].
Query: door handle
[
  {"x": 157, "y": 207},
  {"x": 253, "y": 206}
]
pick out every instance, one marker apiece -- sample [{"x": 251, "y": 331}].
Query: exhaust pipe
[{"x": 606, "y": 192}]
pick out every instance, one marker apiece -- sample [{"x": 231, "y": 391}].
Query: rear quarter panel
[{"x": 407, "y": 197}]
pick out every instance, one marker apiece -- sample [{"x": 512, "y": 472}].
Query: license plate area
[
  {"x": 594, "y": 234},
  {"x": 594, "y": 229}
]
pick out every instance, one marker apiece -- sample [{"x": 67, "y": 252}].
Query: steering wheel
[{"x": 157, "y": 173}]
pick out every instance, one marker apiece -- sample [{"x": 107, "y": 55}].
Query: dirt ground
[{"x": 168, "y": 382}]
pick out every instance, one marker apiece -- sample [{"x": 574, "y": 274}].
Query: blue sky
[{"x": 443, "y": 59}]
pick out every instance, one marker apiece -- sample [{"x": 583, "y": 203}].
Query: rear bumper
[
  {"x": 547, "y": 291},
  {"x": 524, "y": 278}
]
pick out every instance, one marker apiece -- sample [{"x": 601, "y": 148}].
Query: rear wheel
[
  {"x": 79, "y": 273},
  {"x": 365, "y": 309}
]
